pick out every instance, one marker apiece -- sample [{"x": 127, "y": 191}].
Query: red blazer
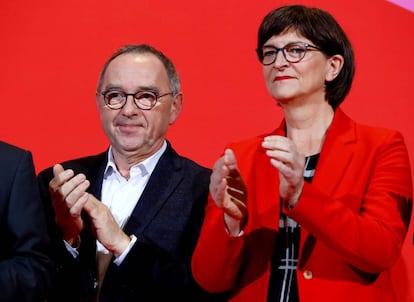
[{"x": 354, "y": 218}]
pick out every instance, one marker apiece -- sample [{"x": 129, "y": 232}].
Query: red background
[{"x": 52, "y": 51}]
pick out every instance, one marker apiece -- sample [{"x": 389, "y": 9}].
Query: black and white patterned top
[{"x": 283, "y": 282}]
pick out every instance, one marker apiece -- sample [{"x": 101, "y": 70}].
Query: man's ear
[{"x": 177, "y": 104}]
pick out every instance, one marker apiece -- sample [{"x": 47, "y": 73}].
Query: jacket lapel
[
  {"x": 163, "y": 181},
  {"x": 336, "y": 153},
  {"x": 334, "y": 159}
]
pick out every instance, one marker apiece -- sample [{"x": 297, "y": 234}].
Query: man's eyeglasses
[
  {"x": 292, "y": 52},
  {"x": 145, "y": 100}
]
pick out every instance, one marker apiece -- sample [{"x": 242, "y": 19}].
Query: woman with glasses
[{"x": 318, "y": 209}]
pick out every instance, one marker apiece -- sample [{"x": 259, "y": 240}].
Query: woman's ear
[{"x": 334, "y": 67}]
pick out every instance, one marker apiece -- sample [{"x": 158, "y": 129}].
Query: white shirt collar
[{"x": 145, "y": 167}]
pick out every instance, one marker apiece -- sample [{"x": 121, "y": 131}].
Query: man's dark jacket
[
  {"x": 25, "y": 264},
  {"x": 166, "y": 221}
]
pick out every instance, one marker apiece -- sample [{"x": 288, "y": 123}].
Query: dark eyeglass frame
[
  {"x": 292, "y": 47},
  {"x": 137, "y": 96}
]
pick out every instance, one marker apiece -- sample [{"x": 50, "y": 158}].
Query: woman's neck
[{"x": 307, "y": 127}]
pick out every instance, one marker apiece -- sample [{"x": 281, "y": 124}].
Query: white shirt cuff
[{"x": 121, "y": 257}]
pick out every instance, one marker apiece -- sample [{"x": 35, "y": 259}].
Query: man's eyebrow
[{"x": 139, "y": 88}]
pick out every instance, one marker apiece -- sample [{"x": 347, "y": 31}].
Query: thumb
[
  {"x": 92, "y": 204},
  {"x": 57, "y": 169},
  {"x": 230, "y": 159}
]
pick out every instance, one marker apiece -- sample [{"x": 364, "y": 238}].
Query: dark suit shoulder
[
  {"x": 87, "y": 162},
  {"x": 13, "y": 158},
  {"x": 10, "y": 152},
  {"x": 92, "y": 166},
  {"x": 182, "y": 162},
  {"x": 192, "y": 165},
  {"x": 79, "y": 165}
]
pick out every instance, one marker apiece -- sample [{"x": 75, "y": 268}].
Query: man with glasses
[{"x": 125, "y": 222}]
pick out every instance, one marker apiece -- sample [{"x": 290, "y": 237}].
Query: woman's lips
[{"x": 281, "y": 78}]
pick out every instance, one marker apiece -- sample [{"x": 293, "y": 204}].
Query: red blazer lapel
[
  {"x": 334, "y": 159},
  {"x": 336, "y": 153}
]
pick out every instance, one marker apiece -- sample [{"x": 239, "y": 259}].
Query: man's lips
[{"x": 129, "y": 127}]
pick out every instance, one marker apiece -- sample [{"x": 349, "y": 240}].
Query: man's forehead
[{"x": 133, "y": 67}]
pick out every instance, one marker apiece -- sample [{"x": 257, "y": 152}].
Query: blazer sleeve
[
  {"x": 74, "y": 273},
  {"x": 25, "y": 266},
  {"x": 367, "y": 221}
]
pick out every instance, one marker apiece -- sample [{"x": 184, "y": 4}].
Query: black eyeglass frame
[
  {"x": 305, "y": 46},
  {"x": 135, "y": 97}
]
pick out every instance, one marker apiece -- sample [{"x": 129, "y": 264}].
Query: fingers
[
  {"x": 236, "y": 186},
  {"x": 225, "y": 169},
  {"x": 235, "y": 181},
  {"x": 286, "y": 158},
  {"x": 237, "y": 190},
  {"x": 218, "y": 182},
  {"x": 60, "y": 177},
  {"x": 229, "y": 191},
  {"x": 76, "y": 208},
  {"x": 67, "y": 186},
  {"x": 107, "y": 230},
  {"x": 283, "y": 153},
  {"x": 279, "y": 148},
  {"x": 99, "y": 213},
  {"x": 240, "y": 205},
  {"x": 237, "y": 194},
  {"x": 230, "y": 160},
  {"x": 57, "y": 169},
  {"x": 68, "y": 192},
  {"x": 92, "y": 204}
]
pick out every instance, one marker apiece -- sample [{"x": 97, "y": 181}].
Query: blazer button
[{"x": 307, "y": 274}]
